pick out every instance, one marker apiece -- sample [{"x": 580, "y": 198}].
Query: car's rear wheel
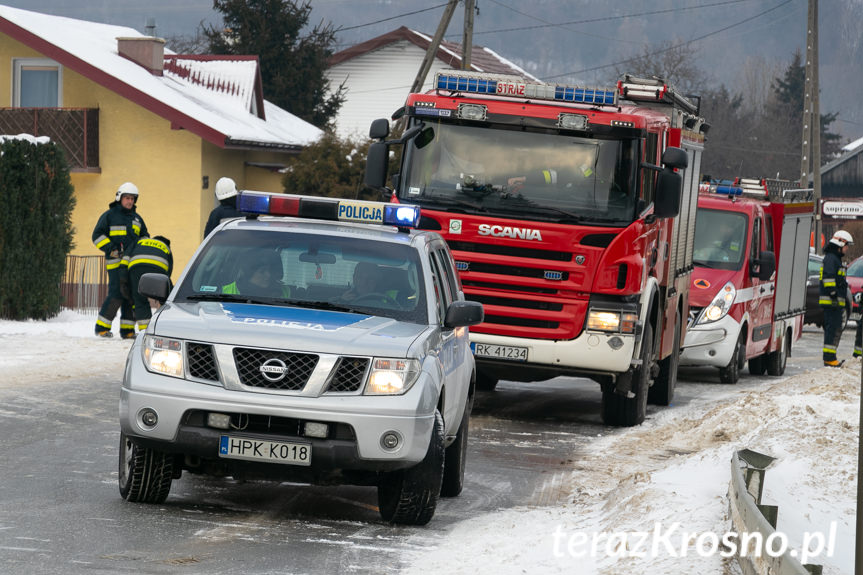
[
  {"x": 777, "y": 360},
  {"x": 144, "y": 474},
  {"x": 455, "y": 457},
  {"x": 409, "y": 496}
]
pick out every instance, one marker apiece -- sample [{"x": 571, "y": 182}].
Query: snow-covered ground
[{"x": 666, "y": 478}]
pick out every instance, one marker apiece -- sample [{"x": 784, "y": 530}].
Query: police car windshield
[
  {"x": 333, "y": 272},
  {"x": 720, "y": 239},
  {"x": 550, "y": 172}
]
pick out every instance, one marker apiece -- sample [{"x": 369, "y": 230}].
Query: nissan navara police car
[{"x": 306, "y": 350}]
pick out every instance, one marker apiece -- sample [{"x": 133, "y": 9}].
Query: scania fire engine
[{"x": 562, "y": 221}]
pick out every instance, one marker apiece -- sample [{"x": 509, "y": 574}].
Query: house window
[{"x": 37, "y": 83}]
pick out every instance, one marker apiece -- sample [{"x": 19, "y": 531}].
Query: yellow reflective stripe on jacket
[
  {"x": 151, "y": 260},
  {"x": 829, "y": 283},
  {"x": 101, "y": 241},
  {"x": 151, "y": 243},
  {"x": 136, "y": 229}
]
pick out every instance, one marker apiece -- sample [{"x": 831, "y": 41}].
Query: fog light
[
  {"x": 315, "y": 429},
  {"x": 149, "y": 417},
  {"x": 615, "y": 343},
  {"x": 219, "y": 420},
  {"x": 390, "y": 440}
]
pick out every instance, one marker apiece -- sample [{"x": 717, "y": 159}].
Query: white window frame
[{"x": 19, "y": 63}]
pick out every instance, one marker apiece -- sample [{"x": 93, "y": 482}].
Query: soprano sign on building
[{"x": 845, "y": 209}]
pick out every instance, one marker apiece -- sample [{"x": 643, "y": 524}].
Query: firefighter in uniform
[
  {"x": 226, "y": 194},
  {"x": 148, "y": 255},
  {"x": 831, "y": 294},
  {"x": 115, "y": 233}
]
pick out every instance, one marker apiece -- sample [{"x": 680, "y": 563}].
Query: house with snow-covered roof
[
  {"x": 378, "y": 74},
  {"x": 125, "y": 108}
]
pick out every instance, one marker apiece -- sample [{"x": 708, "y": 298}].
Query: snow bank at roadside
[
  {"x": 59, "y": 349},
  {"x": 672, "y": 474}
]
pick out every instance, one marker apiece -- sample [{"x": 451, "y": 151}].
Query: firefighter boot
[
  {"x": 104, "y": 333},
  {"x": 834, "y": 363}
]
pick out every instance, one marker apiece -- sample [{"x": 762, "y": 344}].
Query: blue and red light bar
[
  {"x": 332, "y": 209},
  {"x": 516, "y": 87}
]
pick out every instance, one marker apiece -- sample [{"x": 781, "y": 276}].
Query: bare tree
[{"x": 672, "y": 61}]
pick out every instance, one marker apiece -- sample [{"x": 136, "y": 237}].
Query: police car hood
[{"x": 288, "y": 328}]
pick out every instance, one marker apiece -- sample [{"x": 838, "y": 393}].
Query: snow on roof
[
  {"x": 482, "y": 59},
  {"x": 853, "y": 145},
  {"x": 219, "y": 114}
]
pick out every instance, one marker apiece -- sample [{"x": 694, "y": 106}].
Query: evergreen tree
[
  {"x": 292, "y": 58},
  {"x": 790, "y": 93}
]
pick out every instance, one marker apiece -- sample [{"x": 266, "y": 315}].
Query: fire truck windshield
[{"x": 529, "y": 175}]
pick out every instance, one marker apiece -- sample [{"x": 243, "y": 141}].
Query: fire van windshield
[{"x": 547, "y": 173}]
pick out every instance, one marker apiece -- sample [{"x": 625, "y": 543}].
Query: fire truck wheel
[
  {"x": 622, "y": 411},
  {"x": 662, "y": 390},
  {"x": 485, "y": 382},
  {"x": 758, "y": 365},
  {"x": 776, "y": 360},
  {"x": 731, "y": 372}
]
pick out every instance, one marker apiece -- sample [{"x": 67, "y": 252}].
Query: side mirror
[
  {"x": 156, "y": 286},
  {"x": 766, "y": 265},
  {"x": 669, "y": 184},
  {"x": 675, "y": 158},
  {"x": 376, "y": 165},
  {"x": 379, "y": 129},
  {"x": 462, "y": 313}
]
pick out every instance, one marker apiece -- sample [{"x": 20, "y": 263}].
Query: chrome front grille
[
  {"x": 202, "y": 361},
  {"x": 349, "y": 374},
  {"x": 272, "y": 369}
]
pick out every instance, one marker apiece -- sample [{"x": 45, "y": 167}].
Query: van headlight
[
  {"x": 163, "y": 355},
  {"x": 720, "y": 306},
  {"x": 390, "y": 376}
]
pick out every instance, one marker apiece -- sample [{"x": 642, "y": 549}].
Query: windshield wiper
[
  {"x": 229, "y": 297},
  {"x": 708, "y": 265},
  {"x": 449, "y": 201},
  {"x": 324, "y": 305}
]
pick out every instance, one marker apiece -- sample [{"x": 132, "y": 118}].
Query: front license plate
[
  {"x": 500, "y": 351},
  {"x": 261, "y": 450}
]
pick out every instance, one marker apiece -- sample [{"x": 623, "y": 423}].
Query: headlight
[
  {"x": 163, "y": 355},
  {"x": 392, "y": 376},
  {"x": 720, "y": 305},
  {"x": 611, "y": 321}
]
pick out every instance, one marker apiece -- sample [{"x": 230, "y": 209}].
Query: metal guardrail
[
  {"x": 85, "y": 284},
  {"x": 749, "y": 516}
]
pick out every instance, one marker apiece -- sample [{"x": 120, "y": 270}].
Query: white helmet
[
  {"x": 125, "y": 189},
  {"x": 842, "y": 239},
  {"x": 225, "y": 188}
]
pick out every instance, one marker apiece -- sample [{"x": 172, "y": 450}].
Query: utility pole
[
  {"x": 435, "y": 44},
  {"x": 467, "y": 37},
  {"x": 811, "y": 156}
]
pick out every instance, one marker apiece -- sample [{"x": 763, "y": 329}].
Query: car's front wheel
[
  {"x": 409, "y": 496},
  {"x": 144, "y": 474}
]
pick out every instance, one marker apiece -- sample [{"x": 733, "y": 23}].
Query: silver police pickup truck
[{"x": 323, "y": 350}]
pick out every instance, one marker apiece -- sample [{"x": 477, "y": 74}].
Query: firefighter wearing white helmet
[
  {"x": 226, "y": 195},
  {"x": 117, "y": 230},
  {"x": 831, "y": 296}
]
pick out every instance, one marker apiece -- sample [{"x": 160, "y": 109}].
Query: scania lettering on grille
[
  {"x": 273, "y": 369},
  {"x": 509, "y": 232}
]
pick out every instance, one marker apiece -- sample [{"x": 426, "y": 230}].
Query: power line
[
  {"x": 668, "y": 49},
  {"x": 603, "y": 18},
  {"x": 393, "y": 17}
]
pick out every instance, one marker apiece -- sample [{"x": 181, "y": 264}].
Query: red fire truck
[
  {"x": 743, "y": 305},
  {"x": 562, "y": 222}
]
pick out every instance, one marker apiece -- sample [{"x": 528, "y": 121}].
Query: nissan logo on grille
[{"x": 274, "y": 369}]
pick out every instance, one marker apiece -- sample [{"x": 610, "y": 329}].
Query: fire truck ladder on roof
[{"x": 653, "y": 90}]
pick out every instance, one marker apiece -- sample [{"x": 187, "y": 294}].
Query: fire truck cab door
[{"x": 760, "y": 305}]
